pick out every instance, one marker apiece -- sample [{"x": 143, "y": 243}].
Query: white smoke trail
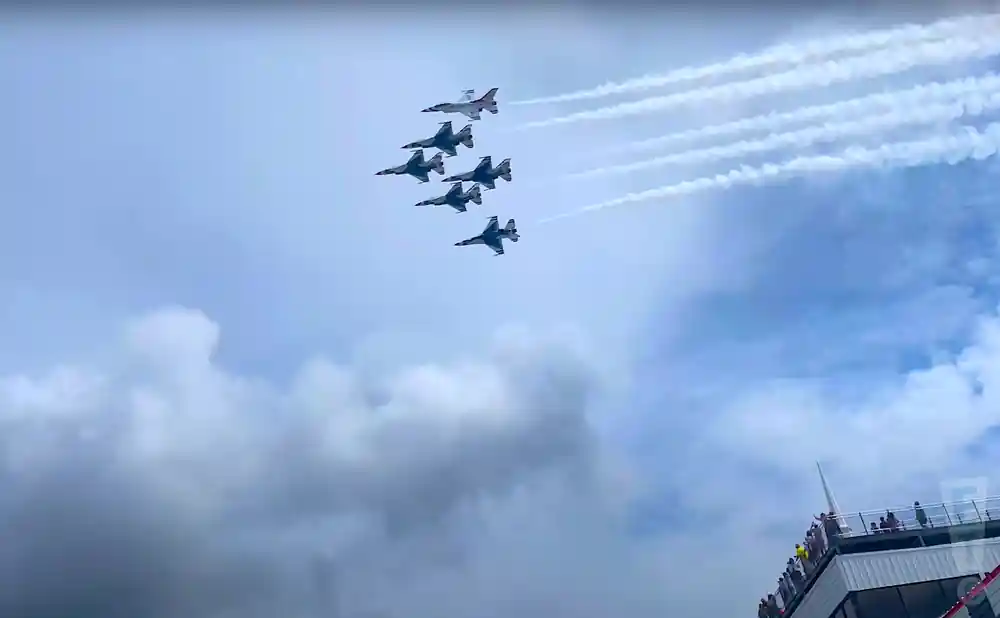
[
  {"x": 851, "y": 108},
  {"x": 962, "y": 144},
  {"x": 820, "y": 75},
  {"x": 786, "y": 53},
  {"x": 972, "y": 105}
]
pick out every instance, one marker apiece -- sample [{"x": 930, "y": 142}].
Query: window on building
[
  {"x": 924, "y": 600},
  {"x": 881, "y": 603},
  {"x": 849, "y": 608}
]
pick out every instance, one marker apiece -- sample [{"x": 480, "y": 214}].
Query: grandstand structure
[{"x": 942, "y": 561}]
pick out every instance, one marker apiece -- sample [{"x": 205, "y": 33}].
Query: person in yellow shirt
[{"x": 803, "y": 555}]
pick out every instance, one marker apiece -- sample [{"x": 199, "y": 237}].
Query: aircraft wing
[
  {"x": 421, "y": 175},
  {"x": 495, "y": 243},
  {"x": 445, "y": 129},
  {"x": 466, "y": 96},
  {"x": 471, "y": 113},
  {"x": 493, "y": 227}
]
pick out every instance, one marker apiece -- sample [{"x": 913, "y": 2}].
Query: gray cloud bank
[{"x": 165, "y": 486}]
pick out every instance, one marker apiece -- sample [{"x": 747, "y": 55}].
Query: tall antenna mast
[{"x": 833, "y": 509}]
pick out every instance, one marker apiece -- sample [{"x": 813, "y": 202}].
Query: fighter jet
[
  {"x": 493, "y": 236},
  {"x": 467, "y": 105},
  {"x": 455, "y": 198},
  {"x": 485, "y": 174},
  {"x": 445, "y": 140},
  {"x": 417, "y": 167}
]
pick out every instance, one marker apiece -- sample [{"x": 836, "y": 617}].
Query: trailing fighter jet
[
  {"x": 493, "y": 236},
  {"x": 445, "y": 140},
  {"x": 417, "y": 167},
  {"x": 467, "y": 105},
  {"x": 455, "y": 198},
  {"x": 485, "y": 174}
]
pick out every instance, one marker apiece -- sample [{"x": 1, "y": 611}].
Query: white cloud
[{"x": 901, "y": 435}]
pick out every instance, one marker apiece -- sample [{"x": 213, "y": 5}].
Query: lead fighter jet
[
  {"x": 455, "y": 198},
  {"x": 493, "y": 236},
  {"x": 445, "y": 140},
  {"x": 467, "y": 105},
  {"x": 417, "y": 167},
  {"x": 485, "y": 174}
]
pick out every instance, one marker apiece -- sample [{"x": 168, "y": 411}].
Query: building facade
[
  {"x": 920, "y": 582},
  {"x": 913, "y": 571}
]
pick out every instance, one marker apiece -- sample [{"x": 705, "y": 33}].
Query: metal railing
[
  {"x": 911, "y": 518},
  {"x": 908, "y": 518}
]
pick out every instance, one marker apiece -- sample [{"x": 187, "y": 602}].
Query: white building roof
[{"x": 856, "y": 572}]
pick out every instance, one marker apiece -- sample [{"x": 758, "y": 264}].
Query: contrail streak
[
  {"x": 788, "y": 53},
  {"x": 962, "y": 144},
  {"x": 973, "y": 105},
  {"x": 850, "y": 108},
  {"x": 834, "y": 71}
]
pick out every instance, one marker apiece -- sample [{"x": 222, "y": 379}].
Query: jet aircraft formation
[{"x": 484, "y": 175}]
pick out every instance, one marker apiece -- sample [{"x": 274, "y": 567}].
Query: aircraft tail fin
[
  {"x": 437, "y": 164},
  {"x": 476, "y": 195},
  {"x": 465, "y": 136},
  {"x": 504, "y": 169},
  {"x": 488, "y": 100},
  {"x": 511, "y": 230}
]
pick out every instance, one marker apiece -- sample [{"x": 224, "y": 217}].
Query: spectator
[
  {"x": 875, "y": 529},
  {"x": 785, "y": 590},
  {"x": 882, "y": 525},
  {"x": 818, "y": 547},
  {"x": 831, "y": 528},
  {"x": 810, "y": 545},
  {"x": 762, "y": 609},
  {"x": 772, "y": 607},
  {"x": 803, "y": 555},
  {"x": 812, "y": 553},
  {"x": 793, "y": 588},
  {"x": 921, "y": 515},
  {"x": 796, "y": 576},
  {"x": 893, "y": 523}
]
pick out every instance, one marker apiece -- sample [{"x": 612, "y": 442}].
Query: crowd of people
[{"x": 822, "y": 536}]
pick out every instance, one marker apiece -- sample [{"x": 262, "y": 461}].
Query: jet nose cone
[{"x": 428, "y": 109}]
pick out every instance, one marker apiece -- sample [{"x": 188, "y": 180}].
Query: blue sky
[{"x": 220, "y": 328}]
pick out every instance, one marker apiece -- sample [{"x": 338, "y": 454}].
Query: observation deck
[{"x": 959, "y": 524}]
